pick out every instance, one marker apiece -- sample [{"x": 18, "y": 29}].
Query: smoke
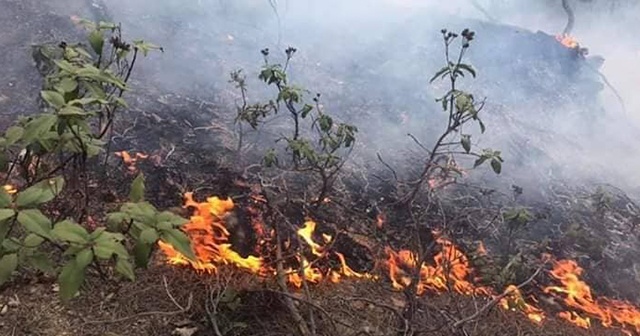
[{"x": 552, "y": 115}]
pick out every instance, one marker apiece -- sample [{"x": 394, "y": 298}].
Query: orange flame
[
  {"x": 577, "y": 294},
  {"x": 306, "y": 233},
  {"x": 131, "y": 161},
  {"x": 514, "y": 302},
  {"x": 567, "y": 41},
  {"x": 380, "y": 219},
  {"x": 450, "y": 271},
  {"x": 9, "y": 189}
]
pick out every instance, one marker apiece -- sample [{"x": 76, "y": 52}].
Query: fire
[
  {"x": 209, "y": 237},
  {"x": 515, "y": 302},
  {"x": 567, "y": 41},
  {"x": 380, "y": 219},
  {"x": 130, "y": 161},
  {"x": 306, "y": 233},
  {"x": 577, "y": 295},
  {"x": 449, "y": 272},
  {"x": 9, "y": 189}
]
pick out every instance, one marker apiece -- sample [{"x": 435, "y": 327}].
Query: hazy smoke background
[{"x": 371, "y": 60}]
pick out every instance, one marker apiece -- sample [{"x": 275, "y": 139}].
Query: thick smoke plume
[{"x": 553, "y": 116}]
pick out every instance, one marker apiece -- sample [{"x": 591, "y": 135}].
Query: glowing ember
[
  {"x": 380, "y": 219},
  {"x": 9, "y": 189},
  {"x": 131, "y": 161},
  {"x": 567, "y": 41},
  {"x": 515, "y": 302}
]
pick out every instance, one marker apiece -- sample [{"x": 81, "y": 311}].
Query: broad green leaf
[
  {"x": 142, "y": 212},
  {"x": 71, "y": 232},
  {"x": 41, "y": 262},
  {"x": 468, "y": 68},
  {"x": 440, "y": 72},
  {"x": 496, "y": 165},
  {"x": 34, "y": 221},
  {"x": 107, "y": 245},
  {"x": 149, "y": 236},
  {"x": 124, "y": 267},
  {"x": 69, "y": 110},
  {"x": 32, "y": 241},
  {"x": 73, "y": 273},
  {"x": 465, "y": 140},
  {"x": 40, "y": 192},
  {"x": 141, "y": 253},
  {"x": 163, "y": 226},
  {"x": 179, "y": 241},
  {"x": 6, "y": 214},
  {"x": 5, "y": 225},
  {"x": 115, "y": 221},
  {"x": 8, "y": 264},
  {"x": 480, "y": 161},
  {"x": 67, "y": 84},
  {"x": 85, "y": 257},
  {"x": 96, "y": 39},
  {"x": 5, "y": 198},
  {"x": 65, "y": 65},
  {"x": 11, "y": 245},
  {"x": 97, "y": 233},
  {"x": 170, "y": 217},
  {"x": 54, "y": 98},
  {"x": 38, "y": 126},
  {"x": 13, "y": 134},
  {"x": 137, "y": 189}
]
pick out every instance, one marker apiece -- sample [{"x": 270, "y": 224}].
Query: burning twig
[{"x": 496, "y": 300}]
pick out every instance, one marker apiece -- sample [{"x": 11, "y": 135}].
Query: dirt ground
[{"x": 168, "y": 300}]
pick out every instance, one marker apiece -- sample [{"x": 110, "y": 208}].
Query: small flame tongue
[{"x": 567, "y": 41}]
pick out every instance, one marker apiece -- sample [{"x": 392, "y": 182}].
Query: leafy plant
[
  {"x": 27, "y": 233},
  {"x": 323, "y": 150},
  {"x": 462, "y": 109}
]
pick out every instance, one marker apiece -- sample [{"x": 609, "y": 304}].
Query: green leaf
[
  {"x": 32, "y": 241},
  {"x": 6, "y": 214},
  {"x": 465, "y": 140},
  {"x": 97, "y": 233},
  {"x": 40, "y": 192},
  {"x": 34, "y": 221},
  {"x": 41, "y": 262},
  {"x": 149, "y": 236},
  {"x": 170, "y": 217},
  {"x": 439, "y": 73},
  {"x": 8, "y": 264},
  {"x": 73, "y": 273},
  {"x": 496, "y": 165},
  {"x": 115, "y": 221},
  {"x": 468, "y": 68},
  {"x": 480, "y": 161},
  {"x": 71, "y": 232},
  {"x": 482, "y": 127},
  {"x": 69, "y": 110},
  {"x": 96, "y": 39},
  {"x": 109, "y": 244},
  {"x": 67, "y": 84},
  {"x": 38, "y": 126},
  {"x": 142, "y": 212},
  {"x": 137, "y": 189},
  {"x": 124, "y": 267},
  {"x": 141, "y": 254},
  {"x": 13, "y": 134},
  {"x": 54, "y": 98},
  {"x": 305, "y": 110},
  {"x": 5, "y": 198},
  {"x": 179, "y": 241}
]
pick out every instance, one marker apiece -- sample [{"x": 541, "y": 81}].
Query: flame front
[
  {"x": 577, "y": 294},
  {"x": 449, "y": 271}
]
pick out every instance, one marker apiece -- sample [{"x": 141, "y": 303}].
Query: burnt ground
[{"x": 190, "y": 145}]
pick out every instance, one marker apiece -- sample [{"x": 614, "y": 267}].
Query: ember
[{"x": 568, "y": 41}]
